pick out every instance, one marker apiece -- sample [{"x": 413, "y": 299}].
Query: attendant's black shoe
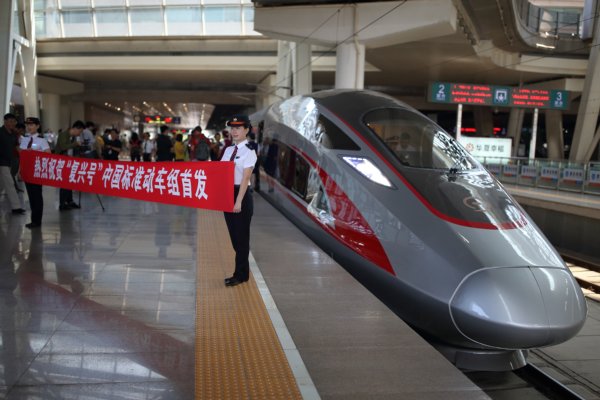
[
  {"x": 229, "y": 279},
  {"x": 74, "y": 205},
  {"x": 18, "y": 211},
  {"x": 32, "y": 225},
  {"x": 233, "y": 282}
]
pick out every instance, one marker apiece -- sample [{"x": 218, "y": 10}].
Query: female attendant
[
  {"x": 238, "y": 221},
  {"x": 33, "y": 142}
]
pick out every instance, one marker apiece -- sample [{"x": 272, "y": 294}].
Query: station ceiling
[{"x": 228, "y": 72}]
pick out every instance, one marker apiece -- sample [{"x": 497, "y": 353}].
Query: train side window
[
  {"x": 332, "y": 137},
  {"x": 286, "y": 162},
  {"x": 301, "y": 171}
]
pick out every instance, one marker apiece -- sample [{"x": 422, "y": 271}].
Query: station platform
[
  {"x": 130, "y": 303},
  {"x": 575, "y": 203}
]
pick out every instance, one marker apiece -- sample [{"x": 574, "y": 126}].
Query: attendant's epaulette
[{"x": 248, "y": 145}]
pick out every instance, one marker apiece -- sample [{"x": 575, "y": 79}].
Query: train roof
[{"x": 348, "y": 102}]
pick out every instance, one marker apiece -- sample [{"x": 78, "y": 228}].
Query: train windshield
[{"x": 416, "y": 141}]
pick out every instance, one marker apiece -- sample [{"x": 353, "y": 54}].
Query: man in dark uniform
[
  {"x": 164, "y": 145},
  {"x": 112, "y": 146},
  {"x": 8, "y": 144},
  {"x": 238, "y": 221}
]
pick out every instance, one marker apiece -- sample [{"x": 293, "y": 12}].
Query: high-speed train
[{"x": 420, "y": 223}]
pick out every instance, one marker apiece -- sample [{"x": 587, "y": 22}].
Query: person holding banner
[
  {"x": 33, "y": 142},
  {"x": 67, "y": 145},
  {"x": 238, "y": 221}
]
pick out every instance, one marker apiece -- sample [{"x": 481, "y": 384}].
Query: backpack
[{"x": 202, "y": 151}]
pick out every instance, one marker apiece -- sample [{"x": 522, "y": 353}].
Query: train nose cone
[{"x": 519, "y": 307}]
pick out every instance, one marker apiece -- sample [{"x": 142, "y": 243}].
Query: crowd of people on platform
[{"x": 83, "y": 140}]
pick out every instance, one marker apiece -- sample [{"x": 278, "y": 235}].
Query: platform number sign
[
  {"x": 558, "y": 99},
  {"x": 442, "y": 92}
]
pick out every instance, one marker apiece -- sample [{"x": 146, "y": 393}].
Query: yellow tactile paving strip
[{"x": 238, "y": 355}]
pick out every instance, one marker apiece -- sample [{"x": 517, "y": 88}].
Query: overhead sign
[
  {"x": 501, "y": 96},
  {"x": 161, "y": 119}
]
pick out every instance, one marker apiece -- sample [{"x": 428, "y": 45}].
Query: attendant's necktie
[
  {"x": 233, "y": 154},
  {"x": 30, "y": 142}
]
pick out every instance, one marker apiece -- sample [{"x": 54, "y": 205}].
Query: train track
[
  {"x": 585, "y": 271},
  {"x": 527, "y": 383}
]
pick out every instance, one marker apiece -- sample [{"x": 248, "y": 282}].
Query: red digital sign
[
  {"x": 471, "y": 94},
  {"x": 157, "y": 119},
  {"x": 530, "y": 97}
]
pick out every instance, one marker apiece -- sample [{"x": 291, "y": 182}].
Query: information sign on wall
[
  {"x": 486, "y": 148},
  {"x": 504, "y": 96}
]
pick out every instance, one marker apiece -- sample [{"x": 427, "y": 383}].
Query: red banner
[{"x": 199, "y": 184}]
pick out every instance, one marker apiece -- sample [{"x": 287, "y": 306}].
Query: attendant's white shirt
[
  {"x": 38, "y": 144},
  {"x": 244, "y": 158}
]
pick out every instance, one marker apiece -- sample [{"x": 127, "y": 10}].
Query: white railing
[{"x": 547, "y": 174}]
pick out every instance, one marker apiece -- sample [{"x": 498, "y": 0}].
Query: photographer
[
  {"x": 112, "y": 146},
  {"x": 67, "y": 145},
  {"x": 88, "y": 142}
]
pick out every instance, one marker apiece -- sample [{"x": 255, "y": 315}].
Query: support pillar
[
  {"x": 515, "y": 124},
  {"x": 302, "y": 68},
  {"x": 484, "y": 122},
  {"x": 459, "y": 113},
  {"x": 7, "y": 70},
  {"x": 284, "y": 76},
  {"x": 587, "y": 116},
  {"x": 50, "y": 106},
  {"x": 350, "y": 66},
  {"x": 554, "y": 134},
  {"x": 29, "y": 81},
  {"x": 533, "y": 142}
]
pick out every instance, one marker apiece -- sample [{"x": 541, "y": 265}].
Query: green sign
[{"x": 503, "y": 96}]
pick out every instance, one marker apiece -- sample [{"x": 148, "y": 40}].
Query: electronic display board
[
  {"x": 502, "y": 96},
  {"x": 160, "y": 119}
]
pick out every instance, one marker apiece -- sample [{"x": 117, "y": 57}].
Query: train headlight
[{"x": 368, "y": 170}]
